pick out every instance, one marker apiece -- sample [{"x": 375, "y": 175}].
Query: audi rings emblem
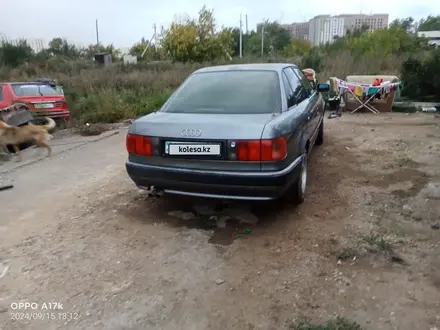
[{"x": 191, "y": 132}]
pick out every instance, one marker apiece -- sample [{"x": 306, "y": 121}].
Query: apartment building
[
  {"x": 298, "y": 30},
  {"x": 325, "y": 28},
  {"x": 356, "y": 21}
]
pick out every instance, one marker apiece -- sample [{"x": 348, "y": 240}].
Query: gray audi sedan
[{"x": 231, "y": 132}]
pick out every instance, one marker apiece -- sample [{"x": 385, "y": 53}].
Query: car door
[
  {"x": 317, "y": 110},
  {"x": 300, "y": 99}
]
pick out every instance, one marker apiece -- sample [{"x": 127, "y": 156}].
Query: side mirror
[{"x": 322, "y": 88}]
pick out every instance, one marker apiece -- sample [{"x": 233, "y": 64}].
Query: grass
[
  {"x": 110, "y": 94},
  {"x": 373, "y": 244},
  {"x": 377, "y": 244},
  {"x": 339, "y": 323}
]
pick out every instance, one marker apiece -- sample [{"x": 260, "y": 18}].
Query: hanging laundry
[
  {"x": 377, "y": 82},
  {"x": 373, "y": 90},
  {"x": 358, "y": 91}
]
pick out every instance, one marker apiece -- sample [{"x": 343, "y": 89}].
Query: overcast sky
[{"x": 125, "y": 22}]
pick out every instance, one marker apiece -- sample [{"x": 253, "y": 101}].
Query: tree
[
  {"x": 91, "y": 50},
  {"x": 431, "y": 23},
  {"x": 150, "y": 51},
  {"x": 13, "y": 55},
  {"x": 279, "y": 36},
  {"x": 197, "y": 40},
  {"x": 407, "y": 24},
  {"x": 61, "y": 47},
  {"x": 297, "y": 48},
  {"x": 276, "y": 38},
  {"x": 236, "y": 36}
]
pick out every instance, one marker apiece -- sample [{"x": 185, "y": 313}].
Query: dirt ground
[{"x": 364, "y": 245}]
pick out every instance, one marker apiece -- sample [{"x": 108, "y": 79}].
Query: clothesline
[
  {"x": 365, "y": 93},
  {"x": 365, "y": 90}
]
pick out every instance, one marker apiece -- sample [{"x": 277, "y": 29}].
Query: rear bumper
[
  {"x": 215, "y": 184},
  {"x": 55, "y": 114}
]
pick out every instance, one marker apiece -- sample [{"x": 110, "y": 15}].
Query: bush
[{"x": 421, "y": 77}]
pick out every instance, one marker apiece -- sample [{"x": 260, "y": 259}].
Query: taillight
[
  {"x": 139, "y": 145},
  {"x": 61, "y": 104},
  {"x": 262, "y": 150}
]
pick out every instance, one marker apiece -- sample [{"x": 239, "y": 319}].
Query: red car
[{"x": 42, "y": 99}]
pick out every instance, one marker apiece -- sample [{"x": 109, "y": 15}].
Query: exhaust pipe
[
  {"x": 152, "y": 191},
  {"x": 155, "y": 192}
]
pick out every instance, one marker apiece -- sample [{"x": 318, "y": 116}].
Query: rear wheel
[
  {"x": 320, "y": 138},
  {"x": 297, "y": 192}
]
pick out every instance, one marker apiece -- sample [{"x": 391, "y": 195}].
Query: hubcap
[{"x": 304, "y": 175}]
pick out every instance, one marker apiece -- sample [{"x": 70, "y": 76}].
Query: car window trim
[
  {"x": 299, "y": 80},
  {"x": 312, "y": 90},
  {"x": 286, "y": 92}
]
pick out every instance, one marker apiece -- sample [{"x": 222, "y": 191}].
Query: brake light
[
  {"x": 61, "y": 104},
  {"x": 262, "y": 150},
  {"x": 139, "y": 145}
]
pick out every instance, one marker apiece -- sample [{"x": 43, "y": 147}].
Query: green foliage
[
  {"x": 275, "y": 38},
  {"x": 421, "y": 77},
  {"x": 431, "y": 23},
  {"x": 61, "y": 47},
  {"x": 146, "y": 50},
  {"x": 407, "y": 24},
  {"x": 313, "y": 59},
  {"x": 117, "y": 105},
  {"x": 197, "y": 40},
  {"x": 384, "y": 42},
  {"x": 13, "y": 55}
]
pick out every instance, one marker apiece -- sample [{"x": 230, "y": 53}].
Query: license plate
[
  {"x": 43, "y": 105},
  {"x": 192, "y": 149}
]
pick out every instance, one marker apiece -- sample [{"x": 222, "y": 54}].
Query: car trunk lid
[
  {"x": 212, "y": 126},
  {"x": 177, "y": 133},
  {"x": 48, "y": 105}
]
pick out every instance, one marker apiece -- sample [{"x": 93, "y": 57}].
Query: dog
[{"x": 16, "y": 135}]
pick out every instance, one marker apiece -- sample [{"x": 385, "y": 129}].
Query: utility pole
[
  {"x": 247, "y": 31},
  {"x": 262, "y": 40},
  {"x": 97, "y": 34},
  {"x": 155, "y": 35},
  {"x": 241, "y": 38}
]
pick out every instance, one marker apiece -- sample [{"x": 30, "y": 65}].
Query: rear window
[
  {"x": 228, "y": 92},
  {"x": 34, "y": 90}
]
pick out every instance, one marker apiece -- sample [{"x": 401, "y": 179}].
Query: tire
[
  {"x": 320, "y": 138},
  {"x": 297, "y": 192}
]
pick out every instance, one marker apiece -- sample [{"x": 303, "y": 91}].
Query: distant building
[
  {"x": 298, "y": 30},
  {"x": 325, "y": 28},
  {"x": 129, "y": 59},
  {"x": 433, "y": 36},
  {"x": 356, "y": 21},
  {"x": 104, "y": 58}
]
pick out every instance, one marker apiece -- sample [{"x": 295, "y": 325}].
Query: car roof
[{"x": 246, "y": 67}]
